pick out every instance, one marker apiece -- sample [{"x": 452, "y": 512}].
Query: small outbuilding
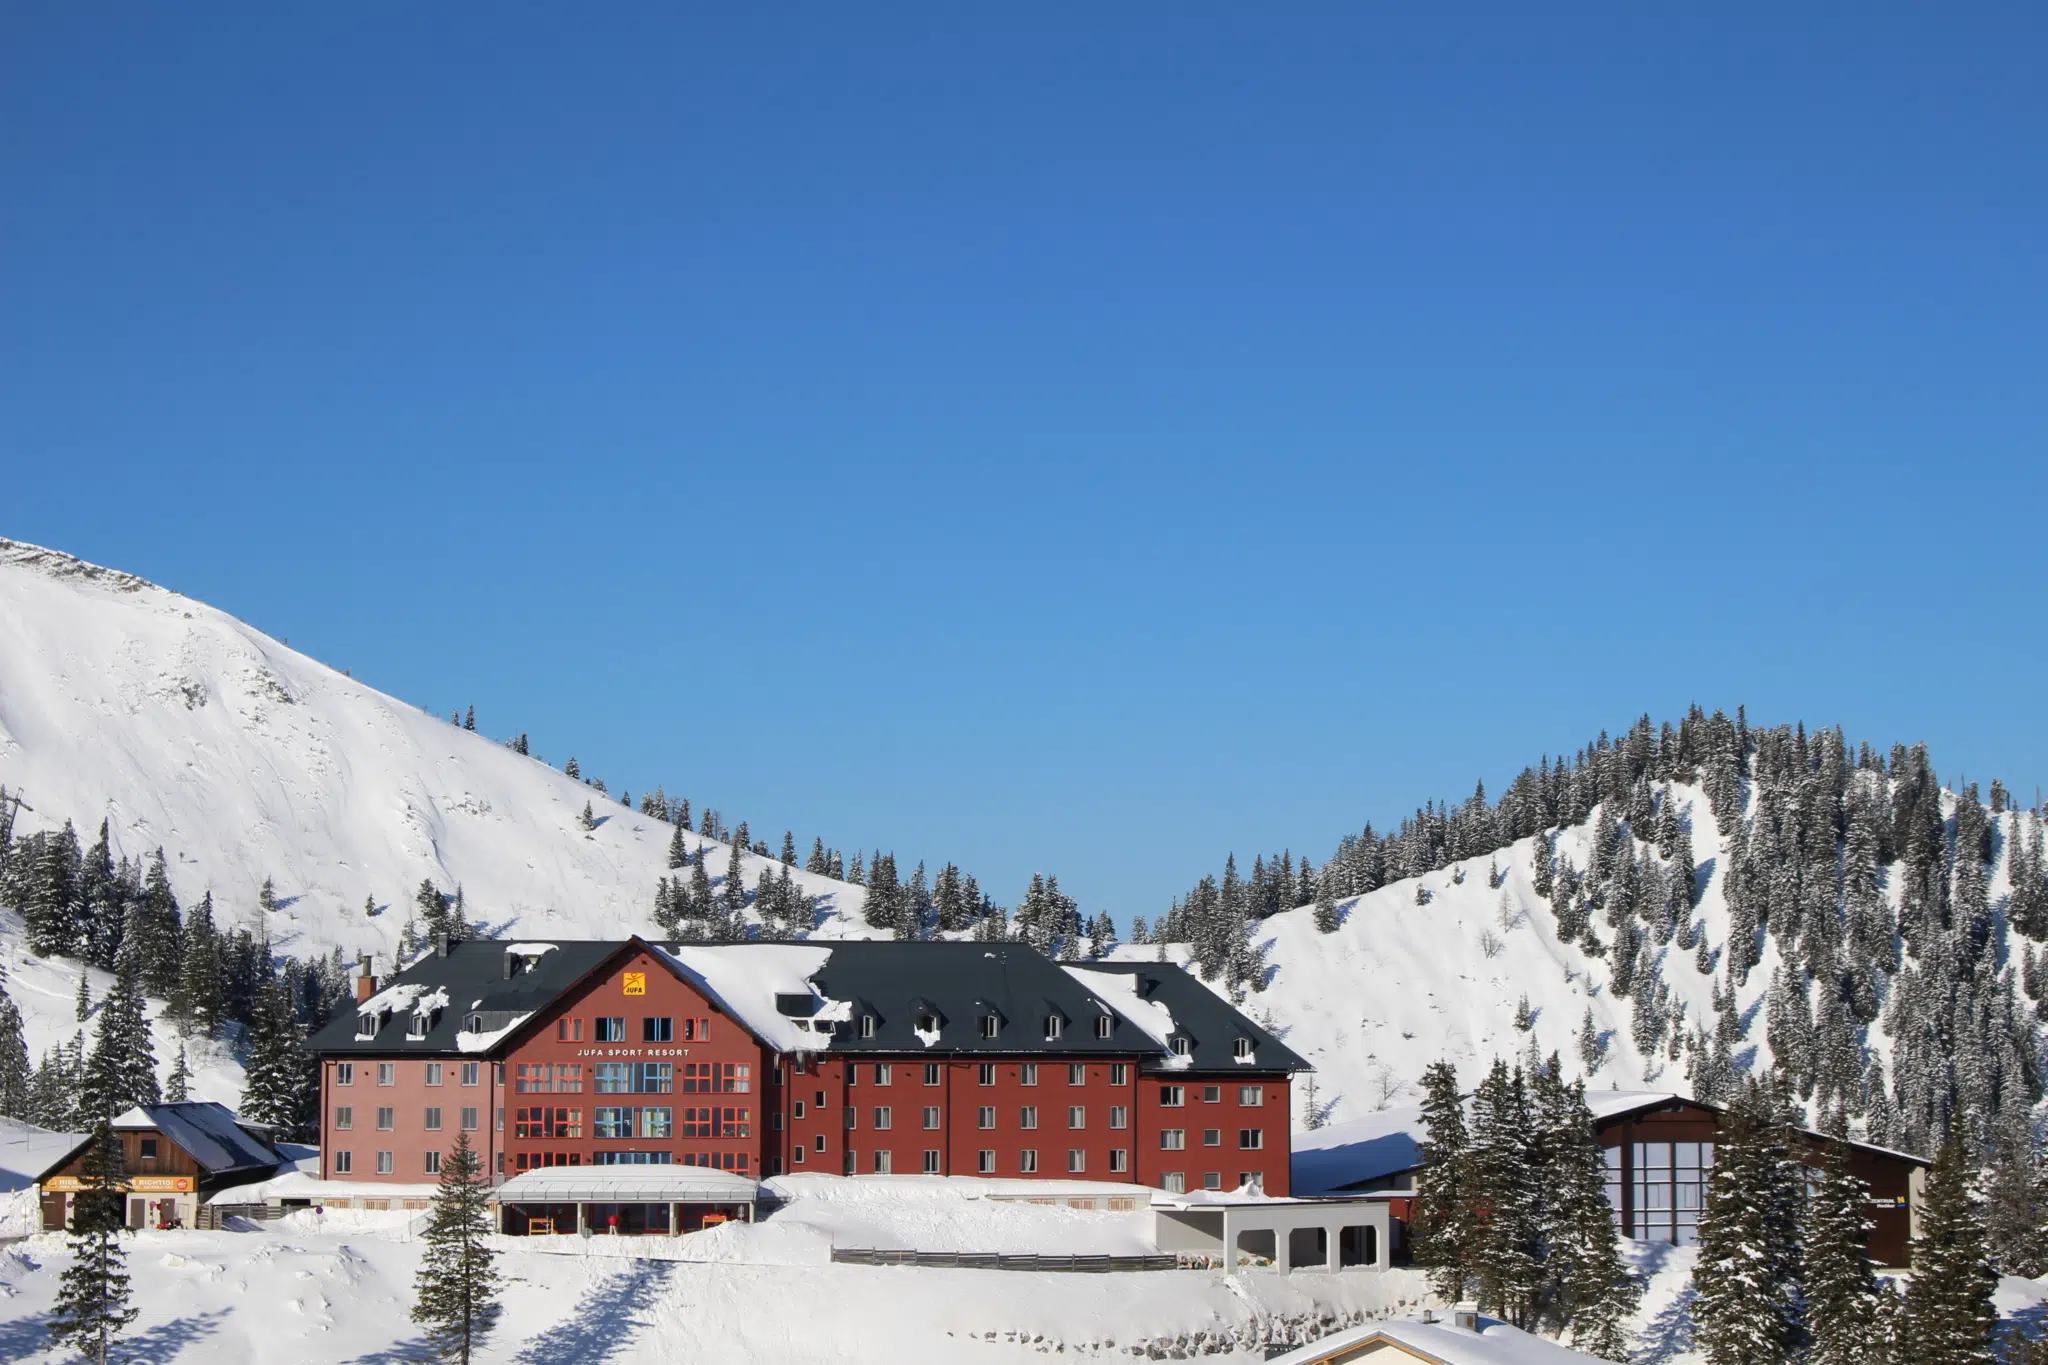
[
  {"x": 1467, "y": 1339},
  {"x": 1286, "y": 1234},
  {"x": 625, "y": 1200},
  {"x": 177, "y": 1155}
]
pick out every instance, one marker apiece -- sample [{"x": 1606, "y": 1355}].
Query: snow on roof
[
  {"x": 393, "y": 998},
  {"x": 743, "y": 979},
  {"x": 436, "y": 999},
  {"x": 530, "y": 949},
  {"x": 465, "y": 1041},
  {"x": 301, "y": 1184},
  {"x": 28, "y": 1152},
  {"x": 1494, "y": 1343},
  {"x": 207, "y": 1131},
  {"x": 1607, "y": 1104},
  {"x": 1357, "y": 1150},
  {"x": 1120, "y": 990},
  {"x": 626, "y": 1185}
]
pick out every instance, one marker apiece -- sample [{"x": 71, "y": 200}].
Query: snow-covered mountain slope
[
  {"x": 1399, "y": 984},
  {"x": 244, "y": 760}
]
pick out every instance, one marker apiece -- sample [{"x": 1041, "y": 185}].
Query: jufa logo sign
[{"x": 636, "y": 983}]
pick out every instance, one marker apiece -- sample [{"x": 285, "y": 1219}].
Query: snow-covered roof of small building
[
  {"x": 1357, "y": 1151},
  {"x": 28, "y": 1152},
  {"x": 208, "y": 1132},
  {"x": 627, "y": 1185},
  {"x": 1440, "y": 1343}
]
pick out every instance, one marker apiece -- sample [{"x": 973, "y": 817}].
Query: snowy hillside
[{"x": 245, "y": 760}]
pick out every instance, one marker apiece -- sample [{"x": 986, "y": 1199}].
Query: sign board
[
  {"x": 135, "y": 1184},
  {"x": 636, "y": 983}
]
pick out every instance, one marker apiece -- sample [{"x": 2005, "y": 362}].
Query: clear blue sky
[{"x": 1083, "y": 438}]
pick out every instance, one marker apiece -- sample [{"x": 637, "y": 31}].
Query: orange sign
[
  {"x": 135, "y": 1184},
  {"x": 636, "y": 983}
]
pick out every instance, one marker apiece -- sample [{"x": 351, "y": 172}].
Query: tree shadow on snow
[
  {"x": 23, "y": 1337},
  {"x": 604, "y": 1323},
  {"x": 412, "y": 1352},
  {"x": 166, "y": 1340},
  {"x": 1669, "y": 1334}
]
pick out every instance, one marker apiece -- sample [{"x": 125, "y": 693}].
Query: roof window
[
  {"x": 867, "y": 1026},
  {"x": 367, "y": 1025},
  {"x": 990, "y": 1026},
  {"x": 1242, "y": 1049},
  {"x": 1053, "y": 1025},
  {"x": 1102, "y": 1026},
  {"x": 1183, "y": 1046}
]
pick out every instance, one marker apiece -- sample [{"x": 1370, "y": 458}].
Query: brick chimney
[{"x": 366, "y": 983}]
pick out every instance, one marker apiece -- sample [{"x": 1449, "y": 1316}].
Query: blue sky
[{"x": 1073, "y": 438}]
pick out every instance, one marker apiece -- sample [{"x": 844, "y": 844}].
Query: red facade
[{"x": 634, "y": 1064}]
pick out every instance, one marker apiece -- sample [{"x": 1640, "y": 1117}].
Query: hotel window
[
  {"x": 385, "y": 1165},
  {"x": 608, "y": 1121},
  {"x": 344, "y": 1163},
  {"x": 700, "y": 1078},
  {"x": 1174, "y": 1182},
  {"x": 469, "y": 1119},
  {"x": 885, "y": 1117},
  {"x": 1183, "y": 1047},
  {"x": 775, "y": 1122},
  {"x": 611, "y": 1029},
  {"x": 819, "y": 1142},
  {"x": 433, "y": 1073},
  {"x": 985, "y": 1162},
  {"x": 612, "y": 1078},
  {"x": 1173, "y": 1139},
  {"x": 1077, "y": 1116},
  {"x": 818, "y": 1101},
  {"x": 568, "y": 1030},
  {"x": 433, "y": 1124},
  {"x": 1119, "y": 1116},
  {"x": 798, "y": 1107},
  {"x": 927, "y": 1023},
  {"x": 416, "y": 1027},
  {"x": 710, "y": 1121},
  {"x": 1668, "y": 1181},
  {"x": 852, "y": 1074},
  {"x": 1077, "y": 1073},
  {"x": 387, "y": 1073},
  {"x": 548, "y": 1078},
  {"x": 657, "y": 1121},
  {"x": 1242, "y": 1049},
  {"x": 1251, "y": 1096},
  {"x": 932, "y": 1073},
  {"x": 696, "y": 1030},
  {"x": 1173, "y": 1096},
  {"x": 1027, "y": 1116},
  {"x": 387, "y": 1119},
  {"x": 1212, "y": 1180},
  {"x": 1102, "y": 1026},
  {"x": 471, "y": 1072},
  {"x": 1053, "y": 1025},
  {"x": 344, "y": 1118},
  {"x": 547, "y": 1123},
  {"x": 1077, "y": 1161},
  {"x": 985, "y": 1117},
  {"x": 931, "y": 1118},
  {"x": 931, "y": 1161},
  {"x": 344, "y": 1073},
  {"x": 1027, "y": 1074},
  {"x": 883, "y": 1162},
  {"x": 1212, "y": 1094},
  {"x": 985, "y": 1073},
  {"x": 884, "y": 1074},
  {"x": 657, "y": 1029},
  {"x": 433, "y": 1163},
  {"x": 796, "y": 1155},
  {"x": 852, "y": 1117},
  {"x": 990, "y": 1026},
  {"x": 1212, "y": 1137},
  {"x": 474, "y": 1023},
  {"x": 1119, "y": 1073},
  {"x": 1027, "y": 1161},
  {"x": 654, "y": 1078},
  {"x": 1251, "y": 1139},
  {"x": 1119, "y": 1160},
  {"x": 867, "y": 1026}
]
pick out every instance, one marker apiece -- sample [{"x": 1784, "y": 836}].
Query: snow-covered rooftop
[
  {"x": 1494, "y": 1343},
  {"x": 26, "y": 1152},
  {"x": 745, "y": 978}
]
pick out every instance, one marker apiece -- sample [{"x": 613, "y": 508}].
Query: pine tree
[
  {"x": 1442, "y": 1225},
  {"x": 1948, "y": 1317},
  {"x": 1746, "y": 1279},
  {"x": 1592, "y": 1044},
  {"x": 52, "y": 911},
  {"x": 201, "y": 994},
  {"x": 677, "y": 853},
  {"x": 178, "y": 1088},
  {"x": 1591, "y": 1288},
  {"x": 266, "y": 897},
  {"x": 1505, "y": 1247},
  {"x": 282, "y": 1083},
  {"x": 81, "y": 1001},
  {"x": 15, "y": 1072},
  {"x": 92, "y": 1297},
  {"x": 1327, "y": 918},
  {"x": 588, "y": 819},
  {"x": 1840, "y": 1290},
  {"x": 2015, "y": 1204},
  {"x": 121, "y": 1072},
  {"x": 469, "y": 718},
  {"x": 457, "y": 1287},
  {"x": 156, "y": 930}
]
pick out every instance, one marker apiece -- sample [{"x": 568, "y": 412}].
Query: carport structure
[
  {"x": 1293, "y": 1234},
  {"x": 631, "y": 1201}
]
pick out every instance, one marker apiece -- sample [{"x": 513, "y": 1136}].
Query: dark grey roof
[
  {"x": 1211, "y": 1024},
  {"x": 887, "y": 981},
  {"x": 473, "y": 971},
  {"x": 209, "y": 1133}
]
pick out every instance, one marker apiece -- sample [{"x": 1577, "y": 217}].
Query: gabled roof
[
  {"x": 1195, "y": 1012},
  {"x": 208, "y": 1132},
  {"x": 27, "y": 1152},
  {"x": 470, "y": 979},
  {"x": 1438, "y": 1343}
]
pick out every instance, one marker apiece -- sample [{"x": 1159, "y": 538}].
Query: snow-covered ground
[{"x": 337, "y": 1288}]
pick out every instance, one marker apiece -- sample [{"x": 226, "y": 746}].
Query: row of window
[
  {"x": 387, "y": 1073},
  {"x": 540, "y": 1161},
  {"x": 1248, "y": 1139},
  {"x": 1176, "y": 1096},
  {"x": 633, "y": 1078},
  {"x": 654, "y": 1028},
  {"x": 387, "y": 1118},
  {"x": 647, "y": 1121}
]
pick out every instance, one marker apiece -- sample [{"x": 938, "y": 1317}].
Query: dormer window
[
  {"x": 990, "y": 1026},
  {"x": 927, "y": 1023},
  {"x": 1242, "y": 1049},
  {"x": 1102, "y": 1026},
  {"x": 475, "y": 1023},
  {"x": 1183, "y": 1046},
  {"x": 867, "y": 1026},
  {"x": 1052, "y": 1026},
  {"x": 366, "y": 1026},
  {"x": 417, "y": 1026}
]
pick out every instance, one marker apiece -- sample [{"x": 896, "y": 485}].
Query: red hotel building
[{"x": 868, "y": 1057}]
